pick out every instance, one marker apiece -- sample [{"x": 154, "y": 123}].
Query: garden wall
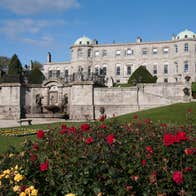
[
  {"x": 10, "y": 100},
  {"x": 86, "y": 101}
]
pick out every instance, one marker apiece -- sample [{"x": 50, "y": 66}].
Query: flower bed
[
  {"x": 18, "y": 132},
  {"x": 139, "y": 158}
]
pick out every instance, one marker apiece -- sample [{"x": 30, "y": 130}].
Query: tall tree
[{"x": 15, "y": 66}]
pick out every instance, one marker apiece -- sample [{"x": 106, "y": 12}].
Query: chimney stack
[{"x": 49, "y": 57}]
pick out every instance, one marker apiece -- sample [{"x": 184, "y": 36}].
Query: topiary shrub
[
  {"x": 36, "y": 76},
  {"x": 142, "y": 75}
]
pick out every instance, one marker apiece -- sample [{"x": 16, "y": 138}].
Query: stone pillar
[
  {"x": 82, "y": 101},
  {"x": 10, "y": 100}
]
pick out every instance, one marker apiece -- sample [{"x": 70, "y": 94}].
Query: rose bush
[{"x": 110, "y": 158}]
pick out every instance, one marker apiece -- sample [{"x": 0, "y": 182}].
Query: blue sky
[{"x": 31, "y": 28}]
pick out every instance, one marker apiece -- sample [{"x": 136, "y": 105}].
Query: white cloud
[
  {"x": 26, "y": 7},
  {"x": 44, "y": 41},
  {"x": 13, "y": 28},
  {"x": 30, "y": 31}
]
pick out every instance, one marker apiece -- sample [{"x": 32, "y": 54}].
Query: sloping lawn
[{"x": 173, "y": 114}]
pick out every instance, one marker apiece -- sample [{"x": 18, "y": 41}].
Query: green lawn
[
  {"x": 6, "y": 142},
  {"x": 173, "y": 114}
]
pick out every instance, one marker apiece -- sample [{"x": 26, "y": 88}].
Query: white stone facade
[{"x": 169, "y": 60}]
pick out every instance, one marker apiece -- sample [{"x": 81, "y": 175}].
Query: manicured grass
[
  {"x": 6, "y": 142},
  {"x": 173, "y": 114},
  {"x": 194, "y": 86}
]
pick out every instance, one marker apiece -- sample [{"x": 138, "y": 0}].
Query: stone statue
[
  {"x": 110, "y": 82},
  {"x": 38, "y": 101}
]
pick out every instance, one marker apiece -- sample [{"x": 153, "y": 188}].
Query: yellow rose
[
  {"x": 16, "y": 188},
  {"x": 0, "y": 183},
  {"x": 32, "y": 187},
  {"x": 28, "y": 191},
  {"x": 7, "y": 171},
  {"x": 22, "y": 194},
  {"x": 70, "y": 194},
  {"x": 34, "y": 192},
  {"x": 11, "y": 155},
  {"x": 18, "y": 177},
  {"x": 16, "y": 167}
]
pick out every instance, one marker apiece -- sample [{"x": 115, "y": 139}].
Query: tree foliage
[
  {"x": 142, "y": 75},
  {"x": 15, "y": 66},
  {"x": 35, "y": 75},
  {"x": 4, "y": 61}
]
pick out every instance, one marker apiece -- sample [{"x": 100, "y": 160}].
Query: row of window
[
  {"x": 118, "y": 71},
  {"x": 129, "y": 51},
  {"x": 129, "y": 69},
  {"x": 57, "y": 73}
]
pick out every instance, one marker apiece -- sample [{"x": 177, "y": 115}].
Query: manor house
[
  {"x": 78, "y": 88},
  {"x": 169, "y": 60}
]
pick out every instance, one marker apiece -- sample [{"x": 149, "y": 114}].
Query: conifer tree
[{"x": 15, "y": 66}]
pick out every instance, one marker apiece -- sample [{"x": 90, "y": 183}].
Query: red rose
[
  {"x": 181, "y": 136},
  {"x": 40, "y": 134},
  {"x": 177, "y": 177},
  {"x": 33, "y": 157},
  {"x": 35, "y": 146},
  {"x": 63, "y": 126},
  {"x": 143, "y": 162},
  {"x": 85, "y": 127},
  {"x": 110, "y": 139},
  {"x": 149, "y": 149},
  {"x": 89, "y": 140},
  {"x": 72, "y": 130},
  {"x": 189, "y": 151},
  {"x": 44, "y": 166},
  {"x": 63, "y": 129},
  {"x": 135, "y": 116},
  {"x": 187, "y": 169},
  {"x": 168, "y": 139},
  {"x": 146, "y": 121},
  {"x": 102, "y": 126},
  {"x": 102, "y": 118}
]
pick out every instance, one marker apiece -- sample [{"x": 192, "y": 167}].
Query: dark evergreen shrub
[
  {"x": 142, "y": 75},
  {"x": 36, "y": 76},
  {"x": 15, "y": 66}
]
